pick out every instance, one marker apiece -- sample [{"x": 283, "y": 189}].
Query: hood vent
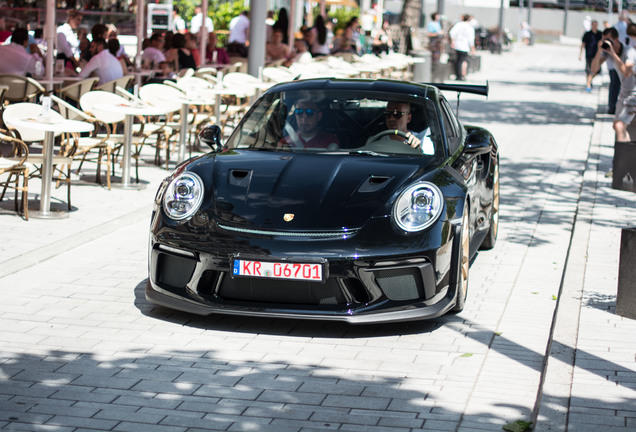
[{"x": 374, "y": 183}]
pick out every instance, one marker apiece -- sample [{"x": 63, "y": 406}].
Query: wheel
[
  {"x": 464, "y": 264},
  {"x": 491, "y": 237},
  {"x": 382, "y": 134}
]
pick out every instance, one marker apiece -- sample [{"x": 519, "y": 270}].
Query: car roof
[{"x": 345, "y": 84}]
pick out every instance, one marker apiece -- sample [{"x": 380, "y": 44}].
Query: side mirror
[
  {"x": 477, "y": 143},
  {"x": 211, "y": 136}
]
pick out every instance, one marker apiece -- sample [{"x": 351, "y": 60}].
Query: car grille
[
  {"x": 342, "y": 233},
  {"x": 401, "y": 284},
  {"x": 281, "y": 291}
]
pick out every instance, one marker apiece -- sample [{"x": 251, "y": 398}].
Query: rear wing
[{"x": 462, "y": 88}]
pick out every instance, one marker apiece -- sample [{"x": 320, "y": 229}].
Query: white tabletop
[
  {"x": 52, "y": 123},
  {"x": 132, "y": 109}
]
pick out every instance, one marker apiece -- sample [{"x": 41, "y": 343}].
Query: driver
[
  {"x": 308, "y": 134},
  {"x": 397, "y": 115}
]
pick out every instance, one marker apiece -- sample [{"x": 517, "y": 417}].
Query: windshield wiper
[{"x": 368, "y": 152}]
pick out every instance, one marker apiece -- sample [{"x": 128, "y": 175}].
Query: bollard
[
  {"x": 624, "y": 166},
  {"x": 626, "y": 297}
]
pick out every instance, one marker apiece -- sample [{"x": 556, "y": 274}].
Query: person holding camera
[{"x": 623, "y": 58}]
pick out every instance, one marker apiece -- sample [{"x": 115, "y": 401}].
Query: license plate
[{"x": 278, "y": 270}]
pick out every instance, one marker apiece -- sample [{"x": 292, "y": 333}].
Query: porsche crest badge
[{"x": 288, "y": 217}]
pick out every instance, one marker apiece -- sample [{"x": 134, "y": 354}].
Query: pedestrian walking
[
  {"x": 463, "y": 43},
  {"x": 589, "y": 44}
]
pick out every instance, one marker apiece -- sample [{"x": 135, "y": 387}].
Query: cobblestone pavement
[{"x": 82, "y": 350}]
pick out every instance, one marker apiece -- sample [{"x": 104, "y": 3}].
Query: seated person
[
  {"x": 397, "y": 116},
  {"x": 308, "y": 134}
]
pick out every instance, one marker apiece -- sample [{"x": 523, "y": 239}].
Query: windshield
[{"x": 374, "y": 123}]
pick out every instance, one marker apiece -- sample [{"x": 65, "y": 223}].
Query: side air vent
[
  {"x": 240, "y": 178},
  {"x": 374, "y": 183}
]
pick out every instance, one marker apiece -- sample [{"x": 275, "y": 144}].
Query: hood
[{"x": 302, "y": 191}]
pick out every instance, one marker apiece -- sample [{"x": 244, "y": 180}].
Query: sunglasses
[
  {"x": 395, "y": 114},
  {"x": 309, "y": 112}
]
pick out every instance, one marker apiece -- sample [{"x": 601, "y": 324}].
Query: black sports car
[{"x": 352, "y": 200}]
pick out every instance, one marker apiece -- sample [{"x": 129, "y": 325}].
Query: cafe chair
[
  {"x": 111, "y": 86},
  {"x": 150, "y": 130},
  {"x": 168, "y": 97},
  {"x": 61, "y": 163},
  {"x": 73, "y": 92},
  {"x": 200, "y": 72},
  {"x": 13, "y": 168},
  {"x": 278, "y": 74},
  {"x": 20, "y": 88},
  {"x": 94, "y": 148},
  {"x": 89, "y": 103},
  {"x": 3, "y": 88}
]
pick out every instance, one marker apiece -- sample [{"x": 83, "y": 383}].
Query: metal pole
[
  {"x": 141, "y": 34},
  {"x": 291, "y": 31},
  {"x": 203, "y": 31},
  {"x": 501, "y": 8},
  {"x": 565, "y": 17},
  {"x": 47, "y": 173},
  {"x": 440, "y": 7},
  {"x": 258, "y": 32},
  {"x": 50, "y": 36}
]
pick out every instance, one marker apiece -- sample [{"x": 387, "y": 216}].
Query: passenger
[{"x": 308, "y": 134}]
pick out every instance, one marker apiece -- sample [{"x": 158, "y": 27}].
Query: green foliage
[
  {"x": 186, "y": 9},
  {"x": 223, "y": 12},
  {"x": 342, "y": 16},
  {"x": 518, "y": 426}
]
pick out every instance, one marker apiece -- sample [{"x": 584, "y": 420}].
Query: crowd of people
[
  {"x": 99, "y": 52},
  {"x": 615, "y": 46}
]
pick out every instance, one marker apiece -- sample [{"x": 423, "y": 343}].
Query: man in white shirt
[
  {"x": 463, "y": 42},
  {"x": 178, "y": 23},
  {"x": 15, "y": 59},
  {"x": 106, "y": 66},
  {"x": 67, "y": 41},
  {"x": 197, "y": 20},
  {"x": 153, "y": 55},
  {"x": 239, "y": 35}
]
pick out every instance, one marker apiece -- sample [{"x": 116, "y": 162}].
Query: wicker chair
[
  {"x": 20, "y": 88},
  {"x": 61, "y": 163},
  {"x": 13, "y": 158},
  {"x": 95, "y": 148},
  {"x": 111, "y": 86},
  {"x": 74, "y": 91}
]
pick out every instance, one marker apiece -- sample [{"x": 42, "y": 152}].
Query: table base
[
  {"x": 133, "y": 186},
  {"x": 51, "y": 214}
]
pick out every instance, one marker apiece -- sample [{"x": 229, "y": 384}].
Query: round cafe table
[
  {"x": 130, "y": 110},
  {"x": 51, "y": 124}
]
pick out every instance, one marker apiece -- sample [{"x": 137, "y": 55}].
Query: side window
[{"x": 451, "y": 127}]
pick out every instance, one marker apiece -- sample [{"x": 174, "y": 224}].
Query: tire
[
  {"x": 463, "y": 264},
  {"x": 491, "y": 237}
]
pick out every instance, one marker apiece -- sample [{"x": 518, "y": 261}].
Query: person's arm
[
  {"x": 626, "y": 69},
  {"x": 598, "y": 59},
  {"x": 91, "y": 66}
]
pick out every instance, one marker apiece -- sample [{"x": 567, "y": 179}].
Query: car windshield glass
[{"x": 362, "y": 122}]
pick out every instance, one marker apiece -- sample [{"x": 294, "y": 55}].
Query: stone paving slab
[{"x": 81, "y": 349}]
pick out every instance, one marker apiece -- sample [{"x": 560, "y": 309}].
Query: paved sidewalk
[
  {"x": 82, "y": 350},
  {"x": 590, "y": 379}
]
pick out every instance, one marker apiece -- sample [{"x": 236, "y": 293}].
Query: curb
[{"x": 552, "y": 407}]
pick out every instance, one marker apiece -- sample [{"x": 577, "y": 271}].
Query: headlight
[
  {"x": 183, "y": 196},
  {"x": 418, "y": 207}
]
